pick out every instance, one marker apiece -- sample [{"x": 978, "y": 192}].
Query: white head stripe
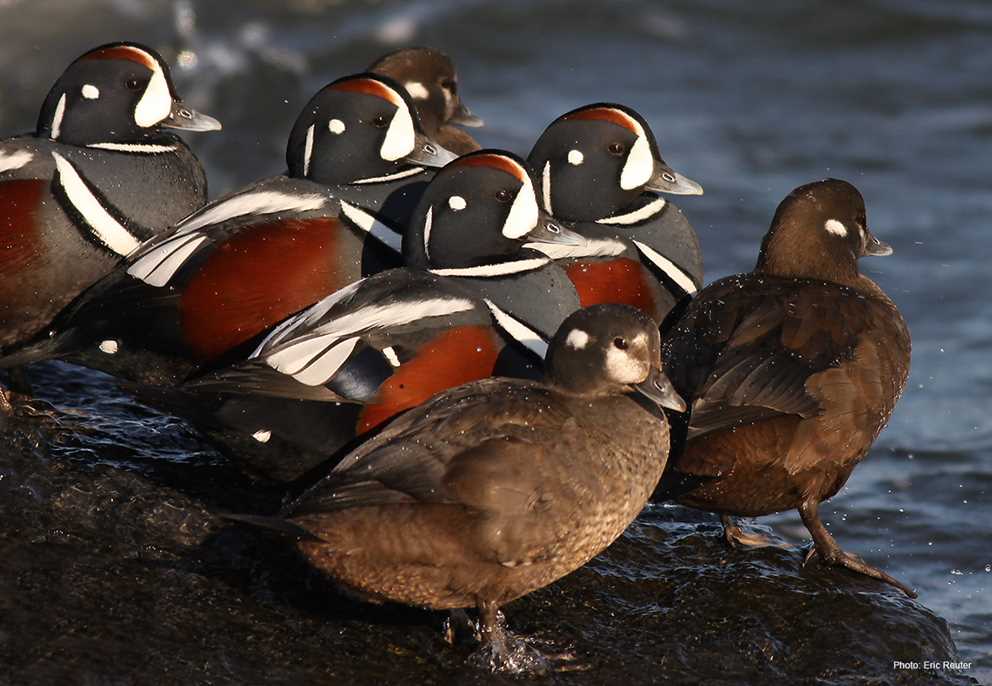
[
  {"x": 90, "y": 92},
  {"x": 575, "y": 157},
  {"x": 416, "y": 90},
  {"x": 520, "y": 332},
  {"x": 428, "y": 221},
  {"x": 336, "y": 126},
  {"x": 639, "y": 166},
  {"x": 57, "y": 118},
  {"x": 308, "y": 150},
  {"x": 546, "y": 187},
  {"x": 14, "y": 160},
  {"x": 522, "y": 218},
  {"x": 457, "y": 203},
  {"x": 401, "y": 136},
  {"x": 368, "y": 223},
  {"x": 156, "y": 101},
  {"x": 835, "y": 227},
  {"x": 637, "y": 216},
  {"x": 107, "y": 230},
  {"x": 259, "y": 202},
  {"x": 577, "y": 338},
  {"x": 668, "y": 267}
]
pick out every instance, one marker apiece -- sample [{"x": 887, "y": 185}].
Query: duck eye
[
  {"x": 132, "y": 84},
  {"x": 620, "y": 343},
  {"x": 503, "y": 195},
  {"x": 380, "y": 121},
  {"x": 615, "y": 148}
]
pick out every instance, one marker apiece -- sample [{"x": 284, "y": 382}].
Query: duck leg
[
  {"x": 829, "y": 552},
  {"x": 502, "y": 652},
  {"x": 735, "y": 536}
]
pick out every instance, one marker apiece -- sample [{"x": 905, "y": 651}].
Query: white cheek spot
[
  {"x": 336, "y": 126},
  {"x": 457, "y": 203},
  {"x": 90, "y": 92},
  {"x": 109, "y": 347},
  {"x": 575, "y": 157},
  {"x": 835, "y": 227},
  {"x": 262, "y": 435},
  {"x": 416, "y": 90},
  {"x": 577, "y": 338}
]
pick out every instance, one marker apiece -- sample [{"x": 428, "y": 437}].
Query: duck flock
[{"x": 471, "y": 369}]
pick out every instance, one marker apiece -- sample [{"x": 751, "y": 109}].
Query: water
[{"x": 750, "y": 99}]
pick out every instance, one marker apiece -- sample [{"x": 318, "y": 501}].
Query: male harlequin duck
[
  {"x": 227, "y": 273},
  {"x": 600, "y": 169},
  {"x": 429, "y": 77},
  {"x": 477, "y": 300},
  {"x": 499, "y": 487},
  {"x": 99, "y": 176},
  {"x": 790, "y": 371}
]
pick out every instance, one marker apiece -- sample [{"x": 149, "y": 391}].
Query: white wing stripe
[
  {"x": 104, "y": 227},
  {"x": 260, "y": 202},
  {"x": 667, "y": 266},
  {"x": 157, "y": 267},
  {"x": 14, "y": 160}
]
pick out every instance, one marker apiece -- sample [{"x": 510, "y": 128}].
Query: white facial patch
[
  {"x": 57, "y": 118},
  {"x": 401, "y": 136},
  {"x": 336, "y": 126},
  {"x": 156, "y": 101},
  {"x": 416, "y": 90},
  {"x": 308, "y": 150},
  {"x": 110, "y": 347},
  {"x": 523, "y": 213},
  {"x": 90, "y": 92},
  {"x": 639, "y": 166},
  {"x": 575, "y": 157},
  {"x": 835, "y": 227},
  {"x": 577, "y": 338},
  {"x": 623, "y": 368},
  {"x": 457, "y": 203}
]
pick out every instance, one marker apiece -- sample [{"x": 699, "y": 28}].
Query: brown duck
[
  {"x": 499, "y": 487},
  {"x": 791, "y": 371}
]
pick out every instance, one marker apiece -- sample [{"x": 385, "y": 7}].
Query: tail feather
[{"x": 277, "y": 524}]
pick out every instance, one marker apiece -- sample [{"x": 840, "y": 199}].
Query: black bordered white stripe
[
  {"x": 593, "y": 247},
  {"x": 368, "y": 223},
  {"x": 412, "y": 171},
  {"x": 497, "y": 269},
  {"x": 518, "y": 330},
  {"x": 56, "y": 128},
  {"x": 669, "y": 268},
  {"x": 139, "y": 148},
  {"x": 637, "y": 216},
  {"x": 99, "y": 223},
  {"x": 9, "y": 161},
  {"x": 157, "y": 266},
  {"x": 251, "y": 203},
  {"x": 315, "y": 357}
]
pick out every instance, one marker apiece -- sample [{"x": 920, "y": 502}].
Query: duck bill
[
  {"x": 659, "y": 390},
  {"x": 667, "y": 180},
  {"x": 549, "y": 231},
  {"x": 427, "y": 153},
  {"x": 464, "y": 117},
  {"x": 877, "y": 248},
  {"x": 186, "y": 118}
]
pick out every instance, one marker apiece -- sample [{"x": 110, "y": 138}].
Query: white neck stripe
[
  {"x": 145, "y": 148},
  {"x": 498, "y": 269},
  {"x": 107, "y": 230},
  {"x": 637, "y": 216},
  {"x": 668, "y": 267},
  {"x": 368, "y": 223},
  {"x": 391, "y": 177}
]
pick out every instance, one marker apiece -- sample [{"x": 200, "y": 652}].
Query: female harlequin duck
[
  {"x": 499, "y": 487},
  {"x": 230, "y": 271},
  {"x": 477, "y": 300},
  {"x": 429, "y": 77},
  {"x": 790, "y": 371},
  {"x": 601, "y": 170},
  {"x": 99, "y": 176}
]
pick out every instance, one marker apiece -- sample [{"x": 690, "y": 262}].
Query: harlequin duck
[
  {"x": 791, "y": 371},
  {"x": 99, "y": 176},
  {"x": 429, "y": 77},
  {"x": 499, "y": 487},
  {"x": 601, "y": 170},
  {"x": 477, "y": 300},
  {"x": 227, "y": 273}
]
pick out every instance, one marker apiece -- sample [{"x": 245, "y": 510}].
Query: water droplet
[{"x": 988, "y": 568}]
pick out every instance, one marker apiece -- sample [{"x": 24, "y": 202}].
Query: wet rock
[{"x": 126, "y": 574}]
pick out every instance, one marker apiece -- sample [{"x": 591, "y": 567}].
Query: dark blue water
[{"x": 750, "y": 99}]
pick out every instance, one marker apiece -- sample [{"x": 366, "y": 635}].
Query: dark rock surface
[{"x": 117, "y": 572}]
